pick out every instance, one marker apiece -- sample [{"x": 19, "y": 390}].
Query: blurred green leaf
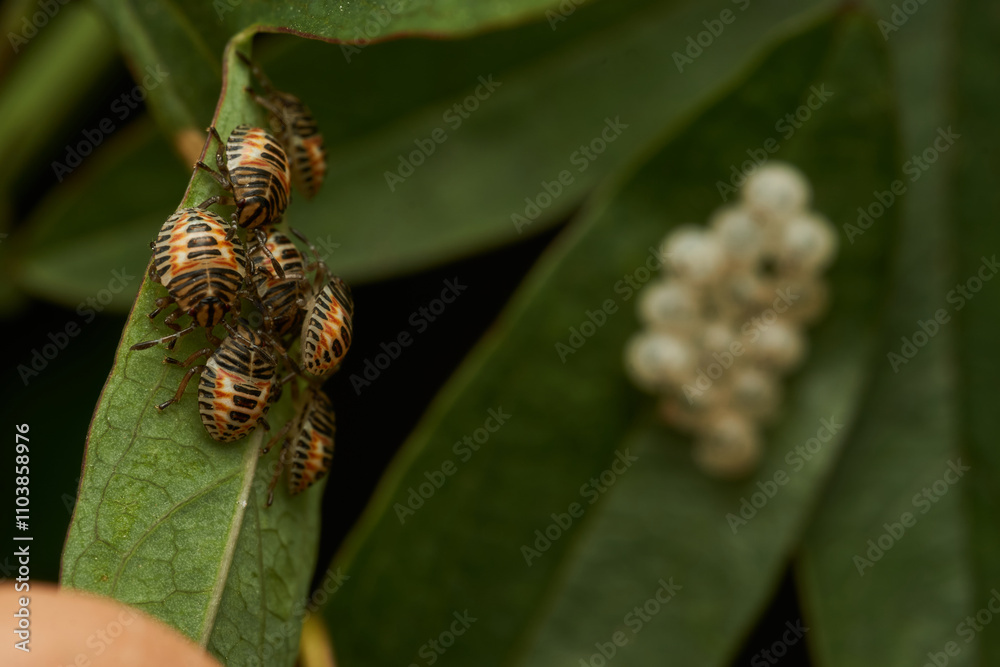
[
  {"x": 976, "y": 205},
  {"x": 934, "y": 576},
  {"x": 462, "y": 199},
  {"x": 101, "y": 220},
  {"x": 568, "y": 422},
  {"x": 186, "y": 37},
  {"x": 57, "y": 69},
  {"x": 666, "y": 521},
  {"x": 174, "y": 523}
]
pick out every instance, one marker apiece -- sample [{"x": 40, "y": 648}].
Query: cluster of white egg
[{"x": 727, "y": 318}]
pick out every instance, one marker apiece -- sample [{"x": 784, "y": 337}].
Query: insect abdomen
[
  {"x": 234, "y": 392},
  {"x": 201, "y": 269},
  {"x": 328, "y": 328},
  {"x": 259, "y": 172},
  {"x": 312, "y": 449}
]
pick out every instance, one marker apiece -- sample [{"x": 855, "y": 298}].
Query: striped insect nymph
[
  {"x": 202, "y": 270},
  {"x": 237, "y": 385},
  {"x": 253, "y": 166},
  {"x": 295, "y": 126}
]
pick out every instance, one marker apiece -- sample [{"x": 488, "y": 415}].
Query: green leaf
[
  {"x": 57, "y": 70},
  {"x": 464, "y": 544},
  {"x": 186, "y": 37},
  {"x": 492, "y": 180},
  {"x": 463, "y": 198},
  {"x": 976, "y": 205},
  {"x": 174, "y": 523},
  {"x": 665, "y": 521},
  {"x": 922, "y": 410},
  {"x": 102, "y": 219},
  {"x": 38, "y": 97}
]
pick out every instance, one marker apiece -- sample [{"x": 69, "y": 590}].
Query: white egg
[
  {"x": 729, "y": 446},
  {"x": 680, "y": 414},
  {"x": 669, "y": 305},
  {"x": 779, "y": 344},
  {"x": 808, "y": 244},
  {"x": 717, "y": 337},
  {"x": 658, "y": 360},
  {"x": 776, "y": 190},
  {"x": 754, "y": 392},
  {"x": 693, "y": 254},
  {"x": 739, "y": 234}
]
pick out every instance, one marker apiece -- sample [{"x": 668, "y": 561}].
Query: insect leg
[
  {"x": 203, "y": 352},
  {"x": 160, "y": 304},
  {"x": 171, "y": 319},
  {"x": 282, "y": 432},
  {"x": 269, "y": 106},
  {"x": 180, "y": 390},
  {"x": 319, "y": 264},
  {"x": 220, "y": 157},
  {"x": 277, "y": 473},
  {"x": 218, "y": 199},
  {"x": 174, "y": 336},
  {"x": 212, "y": 338},
  {"x": 257, "y": 72},
  {"x": 262, "y": 244}
]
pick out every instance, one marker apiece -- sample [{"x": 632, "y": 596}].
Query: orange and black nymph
[
  {"x": 327, "y": 328},
  {"x": 308, "y": 448},
  {"x": 237, "y": 383},
  {"x": 295, "y": 126},
  {"x": 254, "y": 167},
  {"x": 201, "y": 268},
  {"x": 281, "y": 299}
]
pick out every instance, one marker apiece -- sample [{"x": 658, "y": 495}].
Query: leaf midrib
[{"x": 250, "y": 458}]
